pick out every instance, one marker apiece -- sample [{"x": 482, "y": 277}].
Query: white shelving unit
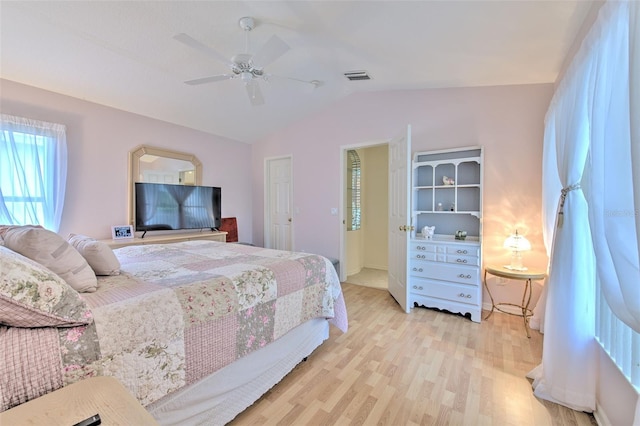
[{"x": 444, "y": 271}]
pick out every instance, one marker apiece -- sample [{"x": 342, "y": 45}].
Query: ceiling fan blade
[
  {"x": 254, "y": 92},
  {"x": 210, "y": 79},
  {"x": 272, "y": 50},
  {"x": 195, "y": 44},
  {"x": 314, "y": 83}
]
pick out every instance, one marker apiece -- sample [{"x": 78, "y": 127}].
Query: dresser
[
  {"x": 168, "y": 238},
  {"x": 444, "y": 272}
]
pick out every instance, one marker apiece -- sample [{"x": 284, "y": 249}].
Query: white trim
[{"x": 601, "y": 416}]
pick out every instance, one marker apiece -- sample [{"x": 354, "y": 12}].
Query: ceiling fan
[{"x": 244, "y": 66}]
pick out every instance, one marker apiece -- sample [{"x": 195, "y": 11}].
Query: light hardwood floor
[{"x": 425, "y": 368}]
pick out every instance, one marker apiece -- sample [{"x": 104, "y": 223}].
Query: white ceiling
[{"x": 123, "y": 54}]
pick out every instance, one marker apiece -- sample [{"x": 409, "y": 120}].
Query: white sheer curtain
[
  {"x": 594, "y": 116},
  {"x": 33, "y": 171},
  {"x": 569, "y": 344},
  {"x": 614, "y": 184}
]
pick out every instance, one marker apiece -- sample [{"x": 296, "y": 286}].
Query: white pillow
[
  {"x": 53, "y": 252},
  {"x": 98, "y": 254}
]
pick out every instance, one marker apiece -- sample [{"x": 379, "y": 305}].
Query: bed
[{"x": 197, "y": 330}]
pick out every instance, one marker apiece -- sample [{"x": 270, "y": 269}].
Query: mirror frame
[{"x": 134, "y": 169}]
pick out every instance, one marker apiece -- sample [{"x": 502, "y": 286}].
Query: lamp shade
[{"x": 517, "y": 244}]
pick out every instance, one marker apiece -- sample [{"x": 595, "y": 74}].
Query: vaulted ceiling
[{"x": 124, "y": 54}]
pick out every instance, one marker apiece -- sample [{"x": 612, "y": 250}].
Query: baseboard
[
  {"x": 601, "y": 416},
  {"x": 379, "y": 267}
]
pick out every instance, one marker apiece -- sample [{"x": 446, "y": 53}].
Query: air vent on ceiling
[{"x": 357, "y": 75}]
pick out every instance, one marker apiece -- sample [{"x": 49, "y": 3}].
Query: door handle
[{"x": 289, "y": 219}]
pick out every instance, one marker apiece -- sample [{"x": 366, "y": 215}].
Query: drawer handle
[
  {"x": 462, "y": 252},
  {"x": 464, "y": 276},
  {"x": 468, "y": 296},
  {"x": 421, "y": 247},
  {"x": 415, "y": 287},
  {"x": 417, "y": 269},
  {"x": 461, "y": 260}
]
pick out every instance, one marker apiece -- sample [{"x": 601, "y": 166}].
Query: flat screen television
[{"x": 161, "y": 206}]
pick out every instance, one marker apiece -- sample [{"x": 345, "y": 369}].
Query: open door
[{"x": 399, "y": 217}]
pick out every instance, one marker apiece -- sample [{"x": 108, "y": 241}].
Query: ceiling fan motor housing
[{"x": 247, "y": 23}]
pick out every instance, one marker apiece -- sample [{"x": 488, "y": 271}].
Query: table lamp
[{"x": 517, "y": 244}]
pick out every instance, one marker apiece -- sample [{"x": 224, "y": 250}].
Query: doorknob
[{"x": 289, "y": 219}]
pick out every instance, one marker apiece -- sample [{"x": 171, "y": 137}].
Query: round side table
[{"x": 526, "y": 276}]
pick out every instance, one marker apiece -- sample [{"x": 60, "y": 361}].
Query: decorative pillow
[
  {"x": 52, "y": 251},
  {"x": 98, "y": 254},
  {"x": 33, "y": 296}
]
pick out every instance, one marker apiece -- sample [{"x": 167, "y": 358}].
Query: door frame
[
  {"x": 343, "y": 210},
  {"x": 267, "y": 198}
]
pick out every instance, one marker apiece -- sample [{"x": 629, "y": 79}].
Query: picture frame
[{"x": 121, "y": 232}]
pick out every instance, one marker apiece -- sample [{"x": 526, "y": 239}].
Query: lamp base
[{"x": 516, "y": 268}]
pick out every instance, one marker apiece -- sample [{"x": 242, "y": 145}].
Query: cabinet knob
[
  {"x": 420, "y": 270},
  {"x": 468, "y": 296},
  {"x": 461, "y": 295},
  {"x": 420, "y": 288}
]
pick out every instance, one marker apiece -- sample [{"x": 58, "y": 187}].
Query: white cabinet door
[{"x": 399, "y": 223}]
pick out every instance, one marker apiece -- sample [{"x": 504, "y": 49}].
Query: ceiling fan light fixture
[{"x": 246, "y": 76}]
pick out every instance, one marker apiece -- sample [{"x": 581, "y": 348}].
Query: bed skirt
[{"x": 220, "y": 397}]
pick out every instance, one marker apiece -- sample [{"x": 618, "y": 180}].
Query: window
[
  {"x": 354, "y": 171},
  {"x": 33, "y": 171}
]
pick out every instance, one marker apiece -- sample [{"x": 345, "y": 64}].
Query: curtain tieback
[{"x": 563, "y": 195}]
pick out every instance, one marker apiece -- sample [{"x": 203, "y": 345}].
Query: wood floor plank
[{"x": 423, "y": 368}]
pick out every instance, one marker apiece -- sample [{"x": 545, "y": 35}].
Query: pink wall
[
  {"x": 508, "y": 121},
  {"x": 99, "y": 139}
]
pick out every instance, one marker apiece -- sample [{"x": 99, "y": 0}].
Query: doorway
[{"x": 365, "y": 225}]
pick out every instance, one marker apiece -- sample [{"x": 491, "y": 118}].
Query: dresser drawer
[
  {"x": 416, "y": 255},
  {"x": 463, "y": 260},
  {"x": 423, "y": 247},
  {"x": 444, "y": 271},
  {"x": 466, "y": 250},
  {"x": 442, "y": 290}
]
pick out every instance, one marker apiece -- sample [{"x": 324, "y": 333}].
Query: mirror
[{"x": 149, "y": 164}]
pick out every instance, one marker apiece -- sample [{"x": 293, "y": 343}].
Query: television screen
[{"x": 161, "y": 206}]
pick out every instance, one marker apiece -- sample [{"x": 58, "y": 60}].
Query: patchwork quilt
[{"x": 177, "y": 313}]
